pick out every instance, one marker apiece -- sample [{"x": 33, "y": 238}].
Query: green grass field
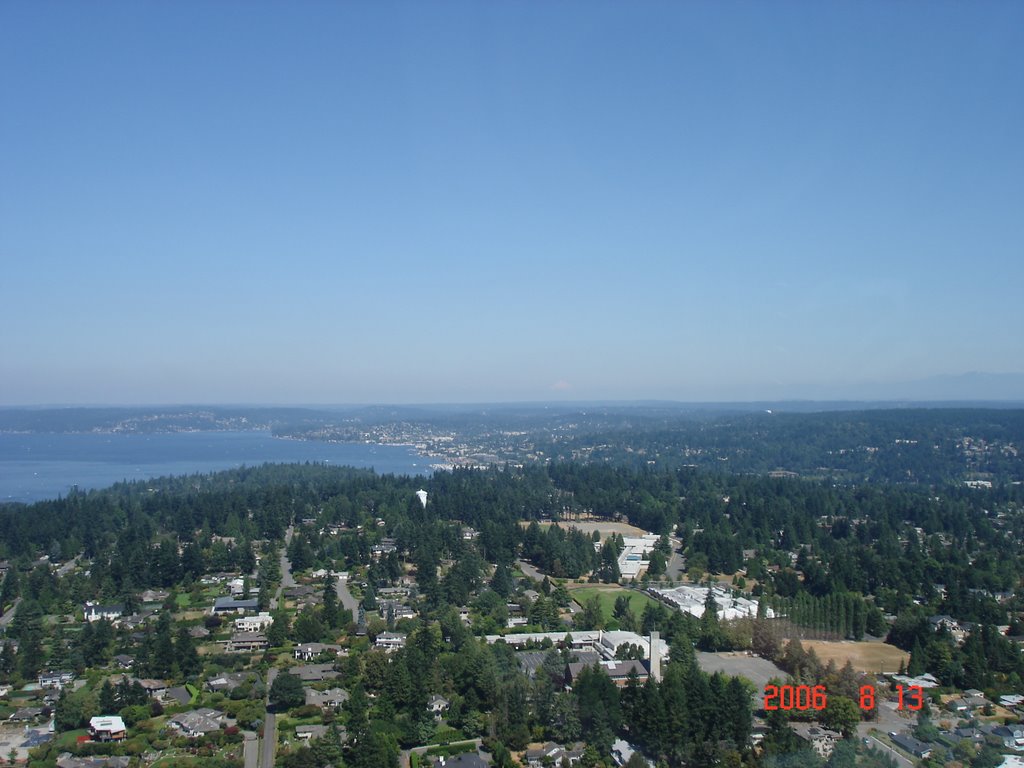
[{"x": 637, "y": 600}]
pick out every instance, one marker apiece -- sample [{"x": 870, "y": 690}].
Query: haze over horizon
[{"x": 451, "y": 203}]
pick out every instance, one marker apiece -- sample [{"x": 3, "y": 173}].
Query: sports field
[
  {"x": 865, "y": 657},
  {"x": 607, "y": 596},
  {"x": 604, "y": 527}
]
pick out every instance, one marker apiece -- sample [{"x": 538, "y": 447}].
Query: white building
[
  {"x": 390, "y": 641},
  {"x": 691, "y": 599},
  {"x": 605, "y": 643},
  {"x": 258, "y": 623}
]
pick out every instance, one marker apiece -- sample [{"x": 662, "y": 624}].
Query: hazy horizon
[{"x": 480, "y": 203}]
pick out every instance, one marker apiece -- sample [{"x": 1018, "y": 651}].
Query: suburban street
[
  {"x": 345, "y": 597},
  {"x": 8, "y": 617},
  {"x": 250, "y": 749},
  {"x": 286, "y": 569},
  {"x": 269, "y": 743},
  {"x": 65, "y": 569},
  {"x": 675, "y": 569},
  {"x": 901, "y": 761},
  {"x": 529, "y": 571}
]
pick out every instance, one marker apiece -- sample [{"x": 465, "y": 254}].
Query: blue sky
[{"x": 320, "y": 202}]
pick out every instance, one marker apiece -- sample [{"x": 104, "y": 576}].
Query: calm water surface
[{"x": 34, "y": 467}]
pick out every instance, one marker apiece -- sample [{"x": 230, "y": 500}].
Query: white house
[
  {"x": 107, "y": 728},
  {"x": 257, "y": 623}
]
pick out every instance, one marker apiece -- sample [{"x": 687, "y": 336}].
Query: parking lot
[{"x": 755, "y": 669}]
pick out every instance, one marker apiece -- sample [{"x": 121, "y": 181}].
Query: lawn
[
  {"x": 69, "y": 739},
  {"x": 607, "y": 596},
  {"x": 865, "y": 657}
]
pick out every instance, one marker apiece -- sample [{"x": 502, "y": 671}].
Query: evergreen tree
[
  {"x": 308, "y": 627},
  {"x": 161, "y": 662},
  {"x": 286, "y": 692},
  {"x": 185, "y": 653},
  {"x": 370, "y": 598},
  {"x": 331, "y": 614},
  {"x": 107, "y": 699}
]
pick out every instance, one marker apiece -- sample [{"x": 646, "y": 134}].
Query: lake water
[{"x": 44, "y": 466}]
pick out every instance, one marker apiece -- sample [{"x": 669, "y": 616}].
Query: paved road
[
  {"x": 269, "y": 741},
  {"x": 65, "y": 569},
  {"x": 530, "y": 571},
  {"x": 346, "y": 598},
  {"x": 675, "y": 569},
  {"x": 269, "y": 744},
  {"x": 251, "y": 749},
  {"x": 287, "y": 580},
  {"x": 900, "y": 759},
  {"x": 8, "y": 617}
]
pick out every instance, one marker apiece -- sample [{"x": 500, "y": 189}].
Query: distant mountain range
[
  {"x": 973, "y": 390},
  {"x": 973, "y": 387}
]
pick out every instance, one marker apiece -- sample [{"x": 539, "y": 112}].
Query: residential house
[
  {"x": 303, "y": 595},
  {"x": 438, "y": 705},
  {"x": 197, "y": 722},
  {"x": 390, "y": 641},
  {"x": 310, "y": 651},
  {"x": 908, "y": 743},
  {"x": 1012, "y": 736},
  {"x": 107, "y": 728},
  {"x": 823, "y": 741},
  {"x": 56, "y": 680},
  {"x": 386, "y": 547},
  {"x": 124, "y": 661},
  {"x": 554, "y": 754},
  {"x": 95, "y": 611},
  {"x": 246, "y": 642},
  {"x": 467, "y": 760},
  {"x": 26, "y": 715},
  {"x": 233, "y": 605},
  {"x": 136, "y": 620},
  {"x": 309, "y": 732},
  {"x": 229, "y": 681},
  {"x": 315, "y": 673},
  {"x": 392, "y": 610},
  {"x": 622, "y": 751},
  {"x": 178, "y": 695},
  {"x": 973, "y": 735},
  {"x": 258, "y": 623},
  {"x": 332, "y": 697},
  {"x": 155, "y": 688}
]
